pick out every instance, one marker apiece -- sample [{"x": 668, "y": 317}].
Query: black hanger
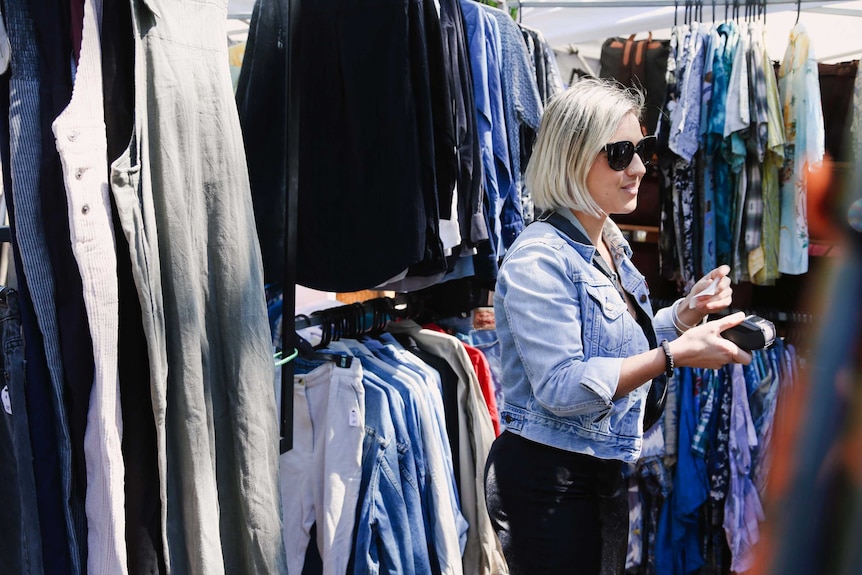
[
  {"x": 307, "y": 351},
  {"x": 384, "y": 312},
  {"x": 329, "y": 331},
  {"x": 798, "y": 9}
]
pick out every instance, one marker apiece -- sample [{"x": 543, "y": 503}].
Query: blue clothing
[
  {"x": 382, "y": 544},
  {"x": 474, "y": 22},
  {"x": 429, "y": 380},
  {"x": 726, "y": 40},
  {"x": 742, "y": 507},
  {"x": 522, "y": 105},
  {"x": 494, "y": 53},
  {"x": 562, "y": 394},
  {"x": 421, "y": 547},
  {"x": 685, "y": 117},
  {"x": 437, "y": 489},
  {"x": 20, "y": 539},
  {"x": 679, "y": 538},
  {"x": 483, "y": 35},
  {"x": 58, "y": 369},
  {"x": 707, "y": 203}
]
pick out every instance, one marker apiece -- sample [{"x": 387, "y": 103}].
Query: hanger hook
[{"x": 798, "y": 9}]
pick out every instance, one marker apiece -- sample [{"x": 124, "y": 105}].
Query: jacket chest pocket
[{"x": 605, "y": 326}]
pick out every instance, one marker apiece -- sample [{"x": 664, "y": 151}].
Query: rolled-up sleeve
[{"x": 663, "y": 325}]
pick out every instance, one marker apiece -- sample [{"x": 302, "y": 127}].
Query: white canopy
[
  {"x": 582, "y": 25},
  {"x": 834, "y": 27}
]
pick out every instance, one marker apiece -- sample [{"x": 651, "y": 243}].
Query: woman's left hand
[{"x": 711, "y": 293}]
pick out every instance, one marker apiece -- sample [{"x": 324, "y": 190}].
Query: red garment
[{"x": 483, "y": 372}]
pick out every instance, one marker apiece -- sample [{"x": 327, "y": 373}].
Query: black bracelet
[{"x": 668, "y": 359}]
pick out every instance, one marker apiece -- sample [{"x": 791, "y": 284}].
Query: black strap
[
  {"x": 564, "y": 225},
  {"x": 567, "y": 227}
]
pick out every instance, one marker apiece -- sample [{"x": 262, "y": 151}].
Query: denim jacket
[{"x": 564, "y": 330}]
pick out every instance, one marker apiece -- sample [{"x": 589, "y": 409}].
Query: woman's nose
[{"x": 636, "y": 167}]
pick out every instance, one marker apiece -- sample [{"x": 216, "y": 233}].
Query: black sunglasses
[{"x": 621, "y": 154}]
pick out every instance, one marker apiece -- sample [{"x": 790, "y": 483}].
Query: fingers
[
  {"x": 713, "y": 292},
  {"x": 721, "y": 271},
  {"x": 742, "y": 356},
  {"x": 728, "y": 321}
]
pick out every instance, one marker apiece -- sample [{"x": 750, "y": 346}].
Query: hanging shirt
[
  {"x": 522, "y": 104},
  {"x": 742, "y": 508},
  {"x": 722, "y": 68},
  {"x": 684, "y": 137},
  {"x": 707, "y": 199},
  {"x": 478, "y": 44},
  {"x": 772, "y": 162},
  {"x": 81, "y": 141},
  {"x": 799, "y": 88},
  {"x": 757, "y": 142}
]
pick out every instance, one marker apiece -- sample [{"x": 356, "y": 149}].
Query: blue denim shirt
[{"x": 564, "y": 330}]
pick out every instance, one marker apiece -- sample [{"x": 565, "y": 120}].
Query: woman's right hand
[{"x": 703, "y": 346}]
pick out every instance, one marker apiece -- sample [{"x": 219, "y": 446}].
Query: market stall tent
[
  {"x": 577, "y": 28},
  {"x": 582, "y": 25}
]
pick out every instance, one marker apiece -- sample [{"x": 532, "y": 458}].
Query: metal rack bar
[{"x": 649, "y": 3}]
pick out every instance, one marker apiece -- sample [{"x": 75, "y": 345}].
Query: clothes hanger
[
  {"x": 384, "y": 309},
  {"x": 279, "y": 361},
  {"x": 798, "y": 10},
  {"x": 305, "y": 350}
]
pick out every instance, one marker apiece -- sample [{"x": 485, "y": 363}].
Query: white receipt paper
[{"x": 710, "y": 290}]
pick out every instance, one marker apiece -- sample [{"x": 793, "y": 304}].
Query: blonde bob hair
[{"x": 576, "y": 125}]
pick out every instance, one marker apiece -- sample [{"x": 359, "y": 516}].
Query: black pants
[{"x": 556, "y": 512}]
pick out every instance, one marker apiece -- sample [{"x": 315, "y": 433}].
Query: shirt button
[
  {"x": 79, "y": 173},
  {"x": 73, "y": 135},
  {"x": 85, "y": 209},
  {"x": 643, "y": 298}
]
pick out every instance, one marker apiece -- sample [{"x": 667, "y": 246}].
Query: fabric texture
[
  {"x": 208, "y": 338},
  {"x": 81, "y": 140}
]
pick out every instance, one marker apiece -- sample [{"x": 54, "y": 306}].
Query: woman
[{"x": 575, "y": 326}]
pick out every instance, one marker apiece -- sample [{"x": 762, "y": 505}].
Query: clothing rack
[
  {"x": 651, "y": 3},
  {"x": 291, "y": 165},
  {"x": 454, "y": 298},
  {"x": 291, "y": 134}
]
